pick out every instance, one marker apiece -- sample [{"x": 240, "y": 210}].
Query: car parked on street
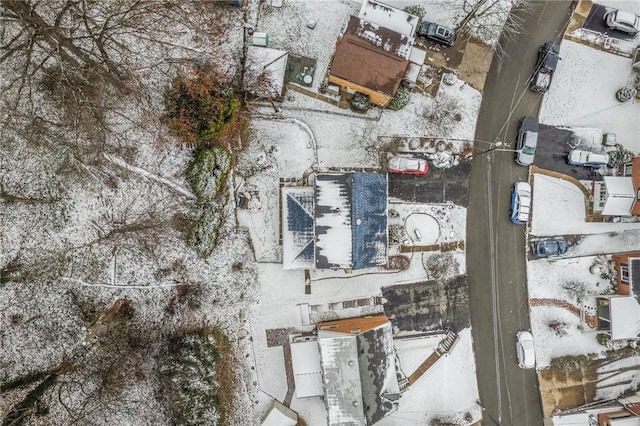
[
  {"x": 527, "y": 141},
  {"x": 545, "y": 67},
  {"x": 579, "y": 157},
  {"x": 622, "y": 21},
  {"x": 524, "y": 350},
  {"x": 438, "y": 33},
  {"x": 408, "y": 166},
  {"x": 550, "y": 247},
  {"x": 520, "y": 203}
]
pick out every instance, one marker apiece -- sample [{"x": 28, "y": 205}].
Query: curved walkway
[{"x": 591, "y": 320}]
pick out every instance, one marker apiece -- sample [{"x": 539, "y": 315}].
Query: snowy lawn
[
  {"x": 558, "y": 332},
  {"x": 583, "y": 94},
  {"x": 447, "y": 391},
  {"x": 559, "y": 209}
]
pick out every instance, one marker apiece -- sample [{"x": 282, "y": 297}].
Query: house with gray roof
[{"x": 358, "y": 370}]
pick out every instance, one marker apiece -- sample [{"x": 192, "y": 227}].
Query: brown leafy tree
[{"x": 199, "y": 107}]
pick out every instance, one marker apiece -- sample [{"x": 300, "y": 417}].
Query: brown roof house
[
  {"x": 623, "y": 412},
  {"x": 619, "y": 314},
  {"x": 358, "y": 370},
  {"x": 372, "y": 58}
]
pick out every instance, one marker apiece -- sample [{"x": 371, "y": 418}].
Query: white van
[{"x": 578, "y": 157}]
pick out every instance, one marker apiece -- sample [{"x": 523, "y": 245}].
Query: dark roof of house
[
  {"x": 298, "y": 234},
  {"x": 371, "y": 56},
  {"x": 351, "y": 220},
  {"x": 369, "y": 219},
  {"x": 375, "y": 365}
]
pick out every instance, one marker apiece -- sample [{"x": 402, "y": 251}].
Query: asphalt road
[{"x": 496, "y": 247}]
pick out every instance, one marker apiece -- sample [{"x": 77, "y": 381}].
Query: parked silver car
[
  {"x": 550, "y": 247},
  {"x": 622, "y": 21},
  {"x": 527, "y": 141}
]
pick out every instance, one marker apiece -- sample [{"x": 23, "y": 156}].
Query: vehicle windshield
[
  {"x": 443, "y": 32},
  {"x": 549, "y": 248},
  {"x": 411, "y": 165},
  {"x": 527, "y": 349},
  {"x": 550, "y": 61},
  {"x": 530, "y": 150}
]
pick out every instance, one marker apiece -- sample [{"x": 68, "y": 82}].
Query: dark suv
[
  {"x": 547, "y": 62},
  {"x": 437, "y": 33}
]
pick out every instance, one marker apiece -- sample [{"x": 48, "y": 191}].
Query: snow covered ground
[
  {"x": 308, "y": 132},
  {"x": 247, "y": 299},
  {"x": 582, "y": 95}
]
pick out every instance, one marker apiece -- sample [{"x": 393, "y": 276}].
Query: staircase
[
  {"x": 444, "y": 347},
  {"x": 447, "y": 344}
]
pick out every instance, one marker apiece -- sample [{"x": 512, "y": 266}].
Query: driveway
[
  {"x": 553, "y": 148},
  {"x": 595, "y": 22},
  {"x": 429, "y": 305},
  {"x": 436, "y": 187}
]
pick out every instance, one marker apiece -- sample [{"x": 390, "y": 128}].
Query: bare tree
[
  {"x": 491, "y": 19},
  {"x": 87, "y": 57}
]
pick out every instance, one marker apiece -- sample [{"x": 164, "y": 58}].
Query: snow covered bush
[
  {"x": 626, "y": 94},
  {"x": 208, "y": 172},
  {"x": 443, "y": 114},
  {"x": 396, "y": 234},
  {"x": 360, "y": 102},
  {"x": 203, "y": 236},
  {"x": 400, "y": 100},
  {"x": 558, "y": 327},
  {"x": 441, "y": 266},
  {"x": 418, "y": 10},
  {"x": 190, "y": 373},
  {"x": 619, "y": 156},
  {"x": 398, "y": 263},
  {"x": 570, "y": 362},
  {"x": 603, "y": 339},
  {"x": 199, "y": 107},
  {"x": 207, "y": 175}
]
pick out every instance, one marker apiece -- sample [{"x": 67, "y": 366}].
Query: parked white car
[
  {"x": 623, "y": 21},
  {"x": 524, "y": 350},
  {"x": 408, "y": 166},
  {"x": 578, "y": 157}
]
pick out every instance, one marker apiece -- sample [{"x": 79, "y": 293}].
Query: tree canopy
[{"x": 199, "y": 107}]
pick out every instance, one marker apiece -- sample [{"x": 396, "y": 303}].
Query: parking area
[
  {"x": 554, "y": 145},
  {"x": 436, "y": 187},
  {"x": 595, "y": 22},
  {"x": 428, "y": 306}
]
